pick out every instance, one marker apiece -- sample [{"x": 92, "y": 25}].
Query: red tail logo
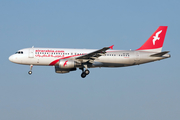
[
  {"x": 156, "y": 37},
  {"x": 156, "y": 40}
]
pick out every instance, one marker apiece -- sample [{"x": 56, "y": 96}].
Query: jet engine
[{"x": 67, "y": 64}]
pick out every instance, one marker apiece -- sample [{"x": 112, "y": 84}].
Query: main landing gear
[
  {"x": 30, "y": 72},
  {"x": 84, "y": 73}
]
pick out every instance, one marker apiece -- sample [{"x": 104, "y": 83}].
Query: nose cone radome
[{"x": 11, "y": 58}]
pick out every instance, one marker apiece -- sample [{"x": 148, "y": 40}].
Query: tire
[
  {"x": 83, "y": 75},
  {"x": 87, "y": 72},
  {"x": 30, "y": 72}
]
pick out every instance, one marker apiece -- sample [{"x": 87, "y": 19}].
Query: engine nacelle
[
  {"x": 66, "y": 64},
  {"x": 61, "y": 70}
]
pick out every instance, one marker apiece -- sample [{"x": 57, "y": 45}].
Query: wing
[{"x": 95, "y": 54}]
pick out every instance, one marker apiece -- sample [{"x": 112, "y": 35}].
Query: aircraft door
[{"x": 31, "y": 53}]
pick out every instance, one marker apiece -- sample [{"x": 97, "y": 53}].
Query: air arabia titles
[
  {"x": 56, "y": 51},
  {"x": 49, "y": 53}
]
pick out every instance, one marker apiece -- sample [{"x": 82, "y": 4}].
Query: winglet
[{"x": 111, "y": 46}]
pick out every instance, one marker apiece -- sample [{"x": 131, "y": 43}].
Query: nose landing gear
[{"x": 30, "y": 72}]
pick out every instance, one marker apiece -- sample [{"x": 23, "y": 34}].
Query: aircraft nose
[{"x": 11, "y": 58}]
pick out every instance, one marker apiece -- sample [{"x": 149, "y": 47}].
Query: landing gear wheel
[
  {"x": 30, "y": 72},
  {"x": 83, "y": 75},
  {"x": 87, "y": 72}
]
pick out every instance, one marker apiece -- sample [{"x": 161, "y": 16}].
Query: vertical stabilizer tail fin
[{"x": 155, "y": 42}]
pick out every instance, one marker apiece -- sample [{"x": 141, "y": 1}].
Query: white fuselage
[
  {"x": 112, "y": 58},
  {"x": 66, "y": 60}
]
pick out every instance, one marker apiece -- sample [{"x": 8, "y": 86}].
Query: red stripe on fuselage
[
  {"x": 54, "y": 62},
  {"x": 57, "y": 60}
]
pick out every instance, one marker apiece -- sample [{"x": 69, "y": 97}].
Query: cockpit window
[{"x": 19, "y": 52}]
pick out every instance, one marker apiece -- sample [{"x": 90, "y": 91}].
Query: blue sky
[{"x": 149, "y": 91}]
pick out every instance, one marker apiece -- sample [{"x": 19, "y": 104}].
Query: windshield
[{"x": 19, "y": 52}]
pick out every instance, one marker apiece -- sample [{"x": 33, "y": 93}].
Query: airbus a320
[{"x": 67, "y": 60}]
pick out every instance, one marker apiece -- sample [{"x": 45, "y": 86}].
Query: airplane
[{"x": 66, "y": 60}]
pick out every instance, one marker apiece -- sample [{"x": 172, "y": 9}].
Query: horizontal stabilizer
[{"x": 159, "y": 54}]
